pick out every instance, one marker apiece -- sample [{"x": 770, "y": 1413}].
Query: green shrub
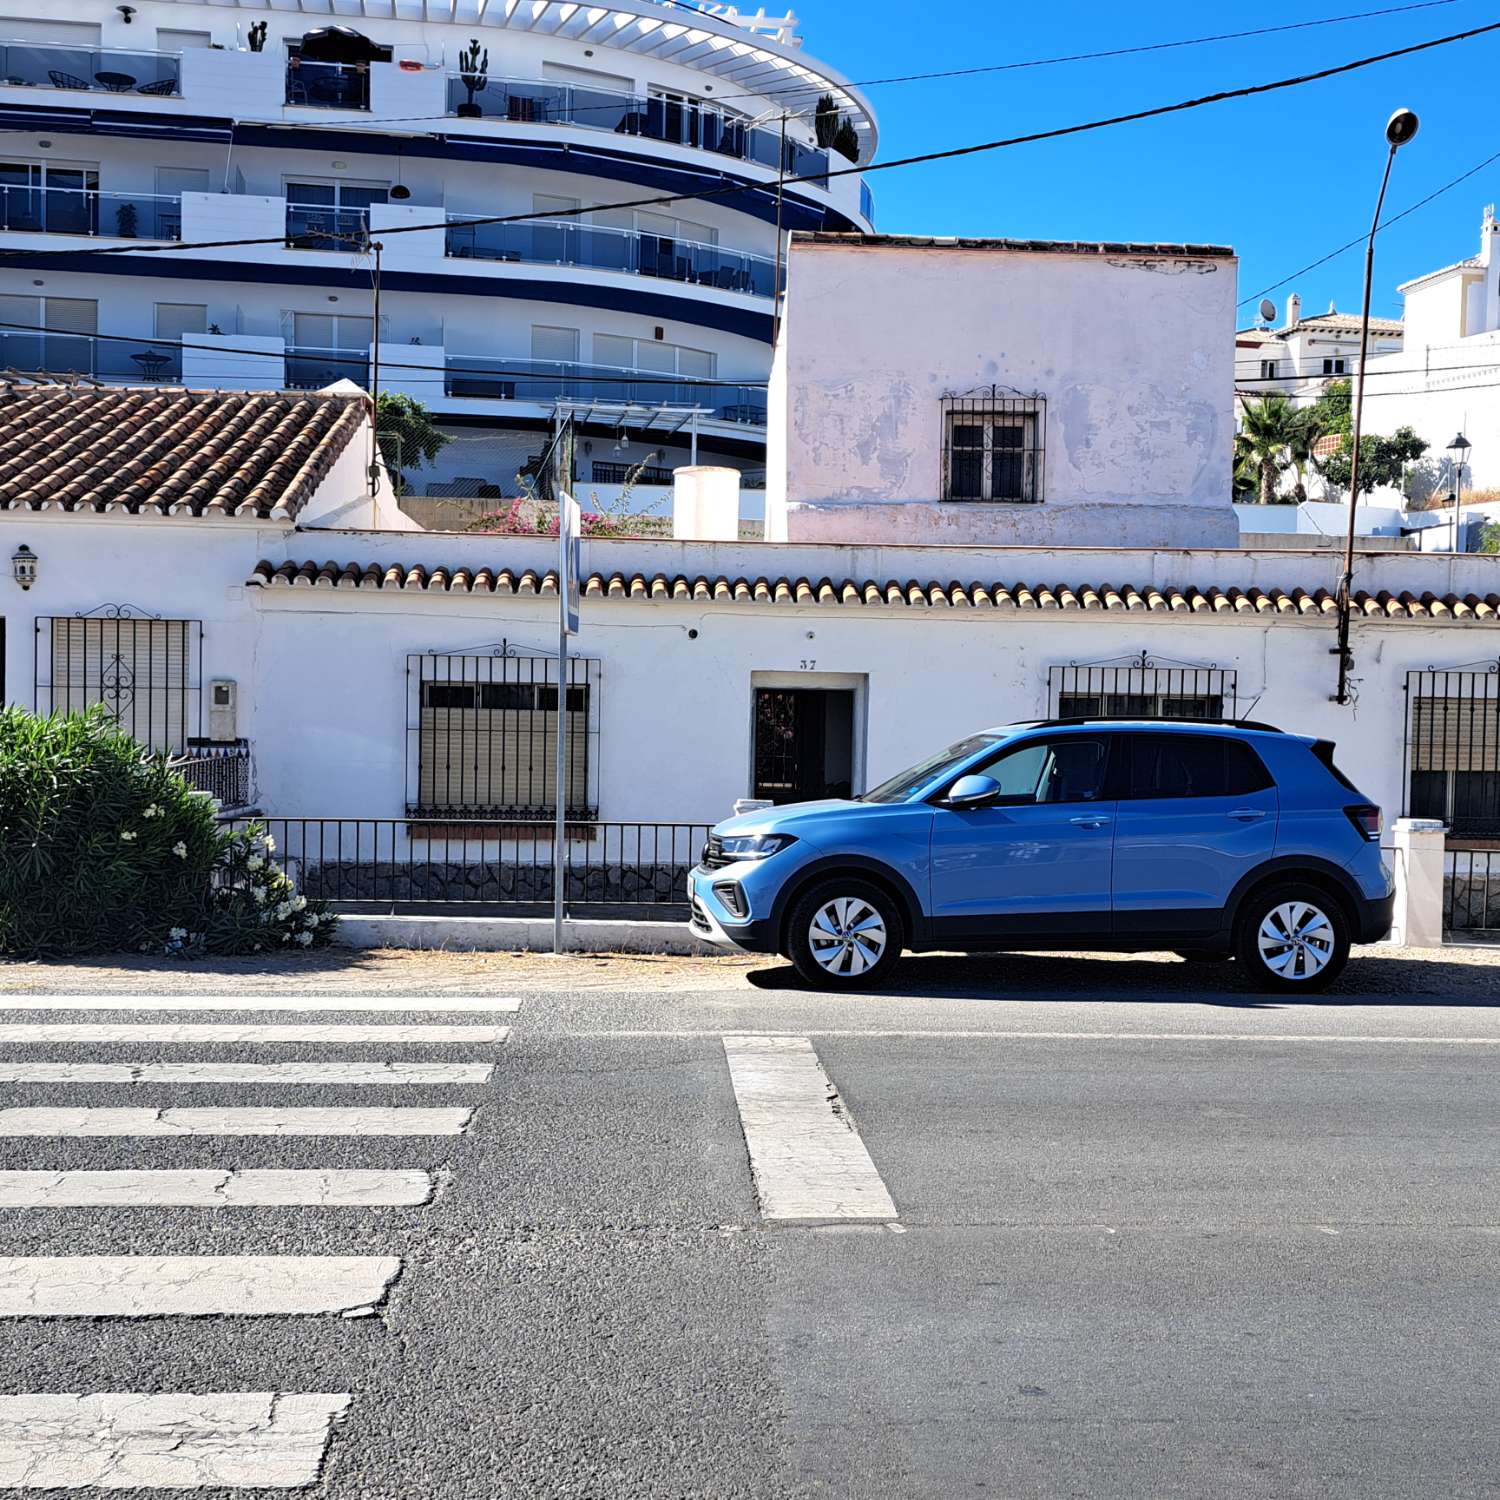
[{"x": 103, "y": 848}]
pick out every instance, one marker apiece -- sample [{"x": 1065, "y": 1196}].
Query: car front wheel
[
  {"x": 844, "y": 934},
  {"x": 1292, "y": 937}
]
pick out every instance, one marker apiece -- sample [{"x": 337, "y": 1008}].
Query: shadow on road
[{"x": 1440, "y": 977}]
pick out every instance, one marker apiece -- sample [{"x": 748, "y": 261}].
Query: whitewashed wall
[{"x": 1134, "y": 356}]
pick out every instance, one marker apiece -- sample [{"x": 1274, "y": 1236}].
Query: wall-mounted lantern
[{"x": 23, "y": 566}]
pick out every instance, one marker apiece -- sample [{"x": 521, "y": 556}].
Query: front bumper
[{"x": 711, "y": 921}]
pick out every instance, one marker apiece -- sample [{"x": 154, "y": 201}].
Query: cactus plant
[{"x": 474, "y": 72}]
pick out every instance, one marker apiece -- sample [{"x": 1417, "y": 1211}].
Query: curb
[{"x": 519, "y": 934}]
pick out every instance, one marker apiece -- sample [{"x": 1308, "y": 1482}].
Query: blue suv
[{"x": 1216, "y": 840}]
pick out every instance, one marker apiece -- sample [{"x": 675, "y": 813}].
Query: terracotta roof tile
[
  {"x": 1101, "y": 598},
  {"x": 160, "y": 450}
]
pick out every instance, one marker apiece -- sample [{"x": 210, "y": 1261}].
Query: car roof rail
[{"x": 1148, "y": 719}]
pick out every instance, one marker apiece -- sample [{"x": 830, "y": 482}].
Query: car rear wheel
[
  {"x": 844, "y": 934},
  {"x": 1292, "y": 937}
]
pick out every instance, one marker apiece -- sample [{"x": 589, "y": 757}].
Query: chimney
[{"x": 1293, "y": 310}]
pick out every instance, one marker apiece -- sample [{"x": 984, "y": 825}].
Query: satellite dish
[{"x": 1267, "y": 310}]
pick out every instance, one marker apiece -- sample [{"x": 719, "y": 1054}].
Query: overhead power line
[{"x": 922, "y": 159}]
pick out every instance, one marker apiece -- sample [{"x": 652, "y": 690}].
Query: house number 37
[{"x": 809, "y": 665}]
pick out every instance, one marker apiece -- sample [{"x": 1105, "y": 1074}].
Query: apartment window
[
  {"x": 46, "y": 198},
  {"x": 175, "y": 320},
  {"x": 1268, "y": 369},
  {"x": 331, "y": 215},
  {"x": 484, "y": 733},
  {"x": 1453, "y": 749},
  {"x": 654, "y": 355},
  {"x": 994, "y": 442},
  {"x": 1141, "y": 687},
  {"x": 554, "y": 345},
  {"x": 1333, "y": 366},
  {"x": 326, "y": 347},
  {"x": 48, "y": 333},
  {"x": 181, "y": 41},
  {"x": 144, "y": 671}
]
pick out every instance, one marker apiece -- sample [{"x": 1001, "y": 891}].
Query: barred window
[
  {"x": 994, "y": 443},
  {"x": 485, "y": 736},
  {"x": 1142, "y": 687},
  {"x": 1453, "y": 749}
]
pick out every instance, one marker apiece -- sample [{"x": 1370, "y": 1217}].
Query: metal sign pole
[{"x": 560, "y": 480}]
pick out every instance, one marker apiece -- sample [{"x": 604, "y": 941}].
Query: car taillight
[{"x": 1366, "y": 818}]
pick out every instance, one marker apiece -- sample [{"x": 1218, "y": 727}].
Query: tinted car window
[
  {"x": 902, "y": 786},
  {"x": 1066, "y": 770},
  {"x": 1194, "y": 765}
]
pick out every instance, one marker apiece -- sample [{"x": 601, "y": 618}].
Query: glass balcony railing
[
  {"x": 315, "y": 227},
  {"x": 125, "y": 361},
  {"x": 678, "y": 122},
  {"x": 53, "y": 65},
  {"x": 310, "y": 369},
  {"x": 328, "y": 85},
  {"x": 545, "y": 381},
  {"x": 564, "y": 242},
  {"x": 128, "y": 216}
]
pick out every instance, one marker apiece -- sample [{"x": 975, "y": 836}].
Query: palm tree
[
  {"x": 1308, "y": 426},
  {"x": 1263, "y": 447}
]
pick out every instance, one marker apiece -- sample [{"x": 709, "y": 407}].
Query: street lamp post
[
  {"x": 1459, "y": 448},
  {"x": 1399, "y": 129}
]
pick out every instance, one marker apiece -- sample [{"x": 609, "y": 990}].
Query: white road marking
[
  {"x": 1072, "y": 1036},
  {"x": 129, "y": 1440},
  {"x": 318, "y": 1188},
  {"x": 145, "y": 1286},
  {"x": 174, "y": 1034},
  {"x": 805, "y": 1154},
  {"x": 456, "y": 1004},
  {"x": 230, "y": 1072},
  {"x": 181, "y": 1122}
]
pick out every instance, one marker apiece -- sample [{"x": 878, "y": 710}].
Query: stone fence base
[{"x": 521, "y": 884}]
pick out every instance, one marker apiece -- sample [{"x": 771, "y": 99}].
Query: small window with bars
[
  {"x": 994, "y": 445},
  {"x": 143, "y": 670},
  {"x": 1140, "y": 687},
  {"x": 484, "y": 736},
  {"x": 1453, "y": 749}
]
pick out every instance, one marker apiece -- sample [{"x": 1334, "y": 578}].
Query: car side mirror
[{"x": 972, "y": 791}]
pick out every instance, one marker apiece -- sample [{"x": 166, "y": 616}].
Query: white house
[
  {"x": 1003, "y": 392},
  {"x": 1300, "y": 357},
  {"x": 239, "y": 176}
]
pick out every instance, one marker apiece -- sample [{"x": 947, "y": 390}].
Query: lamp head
[
  {"x": 1401, "y": 127},
  {"x": 1460, "y": 444}
]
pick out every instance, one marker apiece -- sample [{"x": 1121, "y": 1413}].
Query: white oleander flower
[
  {"x": 255, "y": 862},
  {"x": 260, "y": 895},
  {"x": 180, "y": 849},
  {"x": 178, "y": 933},
  {"x": 126, "y": 836},
  {"x": 154, "y": 811},
  {"x": 270, "y": 843},
  {"x": 298, "y": 903},
  {"x": 304, "y": 938},
  {"x": 284, "y": 910}
]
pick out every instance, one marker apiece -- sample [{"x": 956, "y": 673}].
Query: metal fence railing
[
  {"x": 1471, "y": 891},
  {"x": 409, "y": 864},
  {"x": 222, "y": 769}
]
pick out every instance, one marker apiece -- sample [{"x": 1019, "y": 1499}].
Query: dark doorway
[{"x": 804, "y": 743}]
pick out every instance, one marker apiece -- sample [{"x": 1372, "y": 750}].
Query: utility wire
[{"x": 950, "y": 154}]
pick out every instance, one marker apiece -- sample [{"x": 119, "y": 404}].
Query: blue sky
[{"x": 1284, "y": 178}]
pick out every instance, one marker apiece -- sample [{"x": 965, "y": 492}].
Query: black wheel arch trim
[
  {"x": 835, "y": 864},
  {"x": 1290, "y": 866}
]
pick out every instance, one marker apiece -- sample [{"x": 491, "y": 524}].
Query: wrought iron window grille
[
  {"x": 1452, "y": 748},
  {"x": 994, "y": 446},
  {"x": 1143, "y": 687}
]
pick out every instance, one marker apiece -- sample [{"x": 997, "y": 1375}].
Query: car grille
[{"x": 714, "y": 857}]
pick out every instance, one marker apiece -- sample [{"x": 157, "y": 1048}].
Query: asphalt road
[{"x": 1154, "y": 1237}]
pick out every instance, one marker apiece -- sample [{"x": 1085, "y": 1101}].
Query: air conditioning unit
[{"x": 223, "y": 709}]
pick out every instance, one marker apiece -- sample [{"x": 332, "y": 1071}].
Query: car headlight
[{"x": 755, "y": 845}]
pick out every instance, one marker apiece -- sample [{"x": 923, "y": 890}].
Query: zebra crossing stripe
[
  {"x": 148, "y": 1286},
  {"x": 185, "y": 1122},
  {"x": 230, "y": 1033},
  {"x": 415, "y": 1004},
  {"x": 250, "y": 1188},
  {"x": 132, "y": 1440},
  {"x": 231, "y": 1072}
]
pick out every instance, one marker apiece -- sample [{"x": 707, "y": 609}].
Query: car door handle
[
  {"x": 1093, "y": 820},
  {"x": 1247, "y": 814}
]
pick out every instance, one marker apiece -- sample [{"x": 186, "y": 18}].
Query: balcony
[
  {"x": 544, "y": 382},
  {"x": 51, "y": 65},
  {"x": 564, "y": 242},
  {"x": 678, "y": 123},
  {"x": 328, "y": 85},
  {"x": 310, "y": 369},
  {"x": 129, "y": 216},
  {"x": 318, "y": 227},
  {"x": 117, "y": 361}
]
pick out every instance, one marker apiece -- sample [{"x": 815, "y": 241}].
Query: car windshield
[{"x": 900, "y": 788}]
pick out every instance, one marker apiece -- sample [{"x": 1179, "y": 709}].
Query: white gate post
[{"x": 1420, "y": 856}]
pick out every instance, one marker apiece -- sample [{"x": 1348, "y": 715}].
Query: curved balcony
[
  {"x": 674, "y": 121},
  {"x": 566, "y": 242},
  {"x": 56, "y": 65},
  {"x": 544, "y": 382}
]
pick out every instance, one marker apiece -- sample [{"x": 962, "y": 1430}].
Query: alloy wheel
[
  {"x": 847, "y": 936},
  {"x": 1296, "y": 940}
]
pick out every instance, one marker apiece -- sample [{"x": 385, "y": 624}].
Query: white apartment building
[
  {"x": 227, "y": 131},
  {"x": 1307, "y": 351}
]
